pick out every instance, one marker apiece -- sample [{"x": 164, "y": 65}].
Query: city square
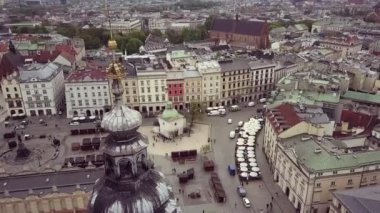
[{"x": 260, "y": 192}]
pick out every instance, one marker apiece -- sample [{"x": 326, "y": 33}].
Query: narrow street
[{"x": 260, "y": 192}]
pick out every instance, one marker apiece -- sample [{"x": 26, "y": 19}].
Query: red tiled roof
[
  {"x": 3, "y": 47},
  {"x": 92, "y": 74},
  {"x": 288, "y": 114},
  {"x": 245, "y": 27},
  {"x": 68, "y": 56},
  {"x": 357, "y": 119},
  {"x": 66, "y": 48},
  {"x": 44, "y": 56},
  {"x": 9, "y": 63}
]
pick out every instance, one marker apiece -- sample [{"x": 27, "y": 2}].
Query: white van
[
  {"x": 234, "y": 108},
  {"x": 251, "y": 104},
  {"x": 263, "y": 100},
  {"x": 213, "y": 113},
  {"x": 232, "y": 134},
  {"x": 222, "y": 112}
]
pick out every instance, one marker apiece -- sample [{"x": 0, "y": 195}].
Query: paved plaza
[{"x": 259, "y": 192}]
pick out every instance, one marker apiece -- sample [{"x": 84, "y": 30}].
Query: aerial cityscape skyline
[{"x": 189, "y": 106}]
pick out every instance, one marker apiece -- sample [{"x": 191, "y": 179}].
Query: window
[
  {"x": 142, "y": 98},
  {"x": 28, "y": 92},
  {"x": 15, "y": 89},
  {"x": 148, "y": 90},
  {"x": 142, "y": 90},
  {"x": 78, "y": 95},
  {"x": 105, "y": 93},
  {"x": 39, "y": 105},
  {"x": 93, "y": 94},
  {"x": 163, "y": 98},
  {"x": 157, "y": 98},
  {"x": 47, "y": 104},
  {"x": 30, "y": 99},
  {"x": 349, "y": 182},
  {"x": 9, "y": 96},
  {"x": 85, "y": 94},
  {"x": 42, "y": 85},
  {"x": 93, "y": 101},
  {"x": 105, "y": 101},
  {"x": 352, "y": 170},
  {"x": 16, "y": 95},
  {"x": 149, "y": 98},
  {"x": 374, "y": 177},
  {"x": 319, "y": 173},
  {"x": 79, "y": 102},
  {"x": 318, "y": 185},
  {"x": 335, "y": 172},
  {"x": 7, "y": 89},
  {"x": 128, "y": 100},
  {"x": 34, "y": 85},
  {"x": 46, "y": 98},
  {"x": 163, "y": 88},
  {"x": 99, "y": 94},
  {"x": 142, "y": 83},
  {"x": 86, "y": 102},
  {"x": 44, "y": 91},
  {"x": 332, "y": 183},
  {"x": 156, "y": 89},
  {"x": 134, "y": 91}
]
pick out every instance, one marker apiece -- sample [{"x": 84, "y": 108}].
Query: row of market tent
[{"x": 245, "y": 156}]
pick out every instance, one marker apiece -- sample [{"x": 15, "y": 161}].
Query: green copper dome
[{"x": 170, "y": 113}]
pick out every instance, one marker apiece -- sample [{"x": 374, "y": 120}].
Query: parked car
[
  {"x": 231, "y": 169},
  {"x": 246, "y": 202},
  {"x": 213, "y": 113},
  {"x": 234, "y": 108},
  {"x": 240, "y": 124},
  {"x": 241, "y": 191},
  {"x": 263, "y": 100},
  {"x": 229, "y": 121},
  {"x": 251, "y": 104},
  {"x": 232, "y": 134},
  {"x": 222, "y": 112},
  {"x": 75, "y": 123}
]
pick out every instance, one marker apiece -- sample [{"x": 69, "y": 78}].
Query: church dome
[
  {"x": 170, "y": 113},
  {"x": 121, "y": 118},
  {"x": 153, "y": 196}
]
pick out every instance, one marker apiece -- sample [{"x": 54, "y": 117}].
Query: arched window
[{"x": 125, "y": 168}]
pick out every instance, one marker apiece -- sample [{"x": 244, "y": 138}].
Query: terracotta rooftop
[
  {"x": 357, "y": 119},
  {"x": 66, "y": 48},
  {"x": 44, "y": 56},
  {"x": 244, "y": 27},
  {"x": 88, "y": 75},
  {"x": 283, "y": 117},
  {"x": 9, "y": 63}
]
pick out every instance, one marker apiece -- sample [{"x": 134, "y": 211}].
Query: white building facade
[
  {"x": 211, "y": 78},
  {"x": 87, "y": 94},
  {"x": 42, "y": 88}
]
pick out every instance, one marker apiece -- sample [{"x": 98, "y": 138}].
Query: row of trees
[
  {"x": 30, "y": 30},
  {"x": 97, "y": 37},
  {"x": 195, "y": 34}
]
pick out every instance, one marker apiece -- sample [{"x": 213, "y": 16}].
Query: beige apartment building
[
  {"x": 193, "y": 87},
  {"x": 287, "y": 120},
  {"x": 131, "y": 90},
  {"x": 12, "y": 95},
  {"x": 211, "y": 78},
  {"x": 310, "y": 169},
  {"x": 56, "y": 202},
  {"x": 236, "y": 85},
  {"x": 347, "y": 45}
]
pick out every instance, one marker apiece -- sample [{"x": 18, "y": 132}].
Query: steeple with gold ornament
[{"x": 130, "y": 184}]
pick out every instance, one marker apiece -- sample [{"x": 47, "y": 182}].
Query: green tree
[
  {"x": 133, "y": 45},
  {"x": 156, "y": 32},
  {"x": 194, "y": 113},
  {"x": 208, "y": 22},
  {"x": 138, "y": 35},
  {"x": 174, "y": 36}
]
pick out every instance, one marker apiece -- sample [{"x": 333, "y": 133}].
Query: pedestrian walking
[
  {"x": 267, "y": 205},
  {"x": 235, "y": 204},
  {"x": 270, "y": 205},
  {"x": 272, "y": 198}
]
